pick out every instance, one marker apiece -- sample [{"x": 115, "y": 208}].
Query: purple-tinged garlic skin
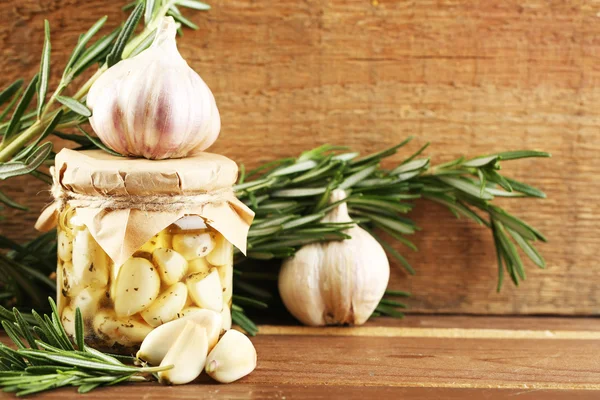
[{"x": 154, "y": 105}]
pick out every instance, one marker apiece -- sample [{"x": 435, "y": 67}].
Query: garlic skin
[
  {"x": 337, "y": 282},
  {"x": 154, "y": 105}
]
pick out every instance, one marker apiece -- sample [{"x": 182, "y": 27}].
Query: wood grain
[
  {"x": 304, "y": 364},
  {"x": 471, "y": 77}
]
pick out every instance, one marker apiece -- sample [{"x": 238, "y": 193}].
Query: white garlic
[
  {"x": 193, "y": 245},
  {"x": 88, "y": 301},
  {"x": 226, "y": 316},
  {"x": 166, "y": 307},
  {"x": 232, "y": 358},
  {"x": 206, "y": 290},
  {"x": 127, "y": 331},
  {"x": 222, "y": 254},
  {"x": 170, "y": 264},
  {"x": 208, "y": 319},
  {"x": 338, "y": 282},
  {"x": 160, "y": 240},
  {"x": 67, "y": 320},
  {"x": 226, "y": 277},
  {"x": 187, "y": 355},
  {"x": 136, "y": 287},
  {"x": 64, "y": 246},
  {"x": 158, "y": 342},
  {"x": 199, "y": 265},
  {"x": 154, "y": 105},
  {"x": 90, "y": 262}
]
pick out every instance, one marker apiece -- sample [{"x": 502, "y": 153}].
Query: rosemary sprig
[
  {"x": 291, "y": 195},
  {"x": 45, "y": 358}
]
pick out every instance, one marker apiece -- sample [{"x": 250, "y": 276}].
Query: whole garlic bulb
[
  {"x": 154, "y": 105},
  {"x": 337, "y": 282}
]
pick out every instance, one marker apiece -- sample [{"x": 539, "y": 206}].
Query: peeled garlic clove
[
  {"x": 199, "y": 265},
  {"x": 90, "y": 262},
  {"x": 68, "y": 320},
  {"x": 127, "y": 331},
  {"x": 206, "y": 290},
  {"x": 187, "y": 355},
  {"x": 157, "y": 343},
  {"x": 136, "y": 286},
  {"x": 166, "y": 307},
  {"x": 222, "y": 254},
  {"x": 226, "y": 317},
  {"x": 191, "y": 223},
  {"x": 70, "y": 286},
  {"x": 232, "y": 358},
  {"x": 210, "y": 320},
  {"x": 171, "y": 265},
  {"x": 158, "y": 241},
  {"x": 88, "y": 301},
  {"x": 64, "y": 246},
  {"x": 226, "y": 278},
  {"x": 193, "y": 245}
]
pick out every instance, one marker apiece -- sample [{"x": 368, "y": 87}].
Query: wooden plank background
[{"x": 469, "y": 76}]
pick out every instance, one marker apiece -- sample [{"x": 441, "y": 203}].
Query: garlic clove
[
  {"x": 160, "y": 240},
  {"x": 187, "y": 355},
  {"x": 199, "y": 265},
  {"x": 191, "y": 223},
  {"x": 226, "y": 278},
  {"x": 222, "y": 254},
  {"x": 226, "y": 318},
  {"x": 171, "y": 265},
  {"x": 126, "y": 331},
  {"x": 68, "y": 320},
  {"x": 206, "y": 290},
  {"x": 71, "y": 287},
  {"x": 232, "y": 358},
  {"x": 88, "y": 301},
  {"x": 90, "y": 262},
  {"x": 193, "y": 245},
  {"x": 157, "y": 343},
  {"x": 64, "y": 246},
  {"x": 210, "y": 320},
  {"x": 136, "y": 287},
  {"x": 166, "y": 307}
]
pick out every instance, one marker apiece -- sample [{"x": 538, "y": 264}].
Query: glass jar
[{"x": 186, "y": 266}]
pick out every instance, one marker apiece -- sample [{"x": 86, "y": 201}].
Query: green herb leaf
[
  {"x": 8, "y": 170},
  {"x": 74, "y": 106},
  {"x": 21, "y": 107},
  {"x": 10, "y": 90},
  {"x": 44, "y": 74},
  {"x": 117, "y": 51},
  {"x": 196, "y": 5}
]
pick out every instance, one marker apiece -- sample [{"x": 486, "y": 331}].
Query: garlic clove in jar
[
  {"x": 88, "y": 301},
  {"x": 232, "y": 358},
  {"x": 199, "y": 265},
  {"x": 193, "y": 245},
  {"x": 161, "y": 240},
  {"x": 90, "y": 262},
  {"x": 206, "y": 290},
  {"x": 210, "y": 320},
  {"x": 171, "y": 265},
  {"x": 70, "y": 286},
  {"x": 226, "y": 278},
  {"x": 154, "y": 105},
  {"x": 166, "y": 307},
  {"x": 64, "y": 246},
  {"x": 187, "y": 355},
  {"x": 127, "y": 331},
  {"x": 338, "y": 282},
  {"x": 226, "y": 317},
  {"x": 136, "y": 287},
  {"x": 222, "y": 254},
  {"x": 158, "y": 342},
  {"x": 67, "y": 320}
]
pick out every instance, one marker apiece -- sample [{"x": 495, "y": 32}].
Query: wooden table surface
[{"x": 421, "y": 357}]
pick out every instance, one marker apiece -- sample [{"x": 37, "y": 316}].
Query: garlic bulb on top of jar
[{"x": 154, "y": 105}]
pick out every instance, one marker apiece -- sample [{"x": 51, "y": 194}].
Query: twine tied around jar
[{"x": 154, "y": 202}]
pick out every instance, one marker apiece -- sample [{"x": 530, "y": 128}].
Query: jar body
[{"x": 187, "y": 265}]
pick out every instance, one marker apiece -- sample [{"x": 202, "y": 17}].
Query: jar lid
[
  {"x": 97, "y": 172},
  {"x": 125, "y": 201}
]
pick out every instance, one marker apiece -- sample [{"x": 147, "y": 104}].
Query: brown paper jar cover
[{"x": 126, "y": 201}]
